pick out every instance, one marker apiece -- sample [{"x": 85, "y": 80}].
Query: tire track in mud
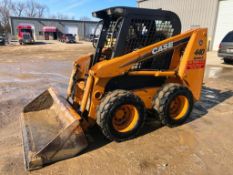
[
  {"x": 198, "y": 146},
  {"x": 26, "y": 72}
]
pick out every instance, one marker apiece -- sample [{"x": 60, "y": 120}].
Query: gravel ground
[{"x": 203, "y": 145}]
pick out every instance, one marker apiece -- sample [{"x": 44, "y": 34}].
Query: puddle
[
  {"x": 219, "y": 72},
  {"x": 22, "y": 72}
]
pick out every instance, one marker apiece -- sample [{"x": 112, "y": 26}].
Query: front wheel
[
  {"x": 174, "y": 104},
  {"x": 121, "y": 115}
]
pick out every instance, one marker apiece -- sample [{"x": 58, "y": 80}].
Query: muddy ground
[{"x": 203, "y": 145}]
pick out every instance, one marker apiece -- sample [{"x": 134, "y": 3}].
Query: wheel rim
[
  {"x": 125, "y": 118},
  {"x": 178, "y": 107}
]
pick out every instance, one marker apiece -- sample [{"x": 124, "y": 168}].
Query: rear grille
[{"x": 143, "y": 32}]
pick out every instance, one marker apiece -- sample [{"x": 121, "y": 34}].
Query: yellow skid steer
[{"x": 142, "y": 63}]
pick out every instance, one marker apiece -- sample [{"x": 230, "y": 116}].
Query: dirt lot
[{"x": 204, "y": 145}]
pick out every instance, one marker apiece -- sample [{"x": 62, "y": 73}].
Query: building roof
[{"x": 49, "y": 19}]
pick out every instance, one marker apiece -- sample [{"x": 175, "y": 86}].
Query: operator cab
[{"x": 125, "y": 29}]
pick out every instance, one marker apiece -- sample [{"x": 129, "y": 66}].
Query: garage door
[
  {"x": 71, "y": 30},
  {"x": 224, "y": 21}
]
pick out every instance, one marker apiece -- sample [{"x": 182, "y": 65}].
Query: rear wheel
[
  {"x": 228, "y": 61},
  {"x": 174, "y": 104},
  {"x": 121, "y": 115}
]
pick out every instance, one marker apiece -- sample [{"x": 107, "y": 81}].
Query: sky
[{"x": 80, "y": 8}]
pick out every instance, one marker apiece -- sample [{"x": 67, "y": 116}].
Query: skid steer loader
[{"x": 141, "y": 63}]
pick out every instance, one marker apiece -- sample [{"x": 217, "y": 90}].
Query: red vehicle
[{"x": 25, "y": 34}]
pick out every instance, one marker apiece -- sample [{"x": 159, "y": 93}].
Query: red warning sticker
[{"x": 196, "y": 64}]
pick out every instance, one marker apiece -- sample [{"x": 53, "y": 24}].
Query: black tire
[
  {"x": 227, "y": 60},
  {"x": 164, "y": 99},
  {"x": 114, "y": 101}
]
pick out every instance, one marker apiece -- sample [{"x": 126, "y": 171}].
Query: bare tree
[
  {"x": 61, "y": 16},
  {"x": 30, "y": 8},
  {"x": 34, "y": 9},
  {"x": 85, "y": 18},
  {"x": 5, "y": 10},
  {"x": 52, "y": 16},
  {"x": 1, "y": 29},
  {"x": 19, "y": 8},
  {"x": 40, "y": 9}
]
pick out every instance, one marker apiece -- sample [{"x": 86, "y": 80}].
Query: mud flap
[{"x": 51, "y": 131}]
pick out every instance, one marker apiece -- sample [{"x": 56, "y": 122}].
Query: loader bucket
[{"x": 51, "y": 131}]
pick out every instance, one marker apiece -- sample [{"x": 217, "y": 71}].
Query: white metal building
[
  {"x": 52, "y": 28},
  {"x": 216, "y": 15}
]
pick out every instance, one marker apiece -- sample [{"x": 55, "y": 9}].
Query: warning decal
[{"x": 196, "y": 64}]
